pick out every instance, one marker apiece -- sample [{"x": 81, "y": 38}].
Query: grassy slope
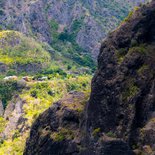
[{"x": 17, "y": 48}]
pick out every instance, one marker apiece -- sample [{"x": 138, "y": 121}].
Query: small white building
[{"x": 11, "y": 78}]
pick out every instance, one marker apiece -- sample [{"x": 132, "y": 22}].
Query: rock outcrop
[
  {"x": 119, "y": 116},
  {"x": 59, "y": 127},
  {"x": 14, "y": 115},
  {"x": 122, "y": 97}
]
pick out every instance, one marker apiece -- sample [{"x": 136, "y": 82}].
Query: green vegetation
[
  {"x": 96, "y": 131},
  {"x": 2, "y": 124},
  {"x": 63, "y": 134},
  {"x": 54, "y": 25},
  {"x": 1, "y": 12},
  {"x": 67, "y": 50},
  {"x": 59, "y": 137},
  {"x": 38, "y": 97},
  {"x": 19, "y": 52},
  {"x": 13, "y": 146},
  {"x": 135, "y": 48},
  {"x": 128, "y": 17},
  {"x": 130, "y": 90},
  {"x": 17, "y": 49},
  {"x": 41, "y": 95},
  {"x": 142, "y": 69},
  {"x": 121, "y": 54},
  {"x": 75, "y": 28},
  {"x": 130, "y": 14},
  {"x": 54, "y": 28},
  {"x": 138, "y": 49},
  {"x": 8, "y": 89},
  {"x": 111, "y": 134},
  {"x": 76, "y": 25}
]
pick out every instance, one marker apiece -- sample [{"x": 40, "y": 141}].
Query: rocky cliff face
[
  {"x": 119, "y": 116},
  {"x": 14, "y": 114},
  {"x": 61, "y": 126},
  {"x": 94, "y": 18},
  {"x": 123, "y": 86}
]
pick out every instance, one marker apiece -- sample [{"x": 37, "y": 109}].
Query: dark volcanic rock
[
  {"x": 58, "y": 127},
  {"x": 120, "y": 114},
  {"x": 123, "y": 92}
]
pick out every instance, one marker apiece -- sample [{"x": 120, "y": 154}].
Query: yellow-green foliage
[
  {"x": 131, "y": 14},
  {"x": 13, "y": 146},
  {"x": 111, "y": 134},
  {"x": 42, "y": 94},
  {"x": 138, "y": 49},
  {"x": 130, "y": 90},
  {"x": 121, "y": 55},
  {"x": 17, "y": 48},
  {"x": 2, "y": 124},
  {"x": 39, "y": 96},
  {"x": 62, "y": 134},
  {"x": 96, "y": 131},
  {"x": 142, "y": 69}
]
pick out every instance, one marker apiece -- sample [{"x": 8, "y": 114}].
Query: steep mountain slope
[
  {"x": 19, "y": 53},
  {"x": 120, "y": 113},
  {"x": 22, "y": 55},
  {"x": 83, "y": 23}
]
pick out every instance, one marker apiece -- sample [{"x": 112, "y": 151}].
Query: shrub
[
  {"x": 54, "y": 25},
  {"x": 7, "y": 90},
  {"x": 1, "y": 12},
  {"x": 96, "y": 131},
  {"x": 130, "y": 90},
  {"x": 111, "y": 134},
  {"x": 65, "y": 36},
  {"x": 69, "y": 67},
  {"x": 59, "y": 137},
  {"x": 34, "y": 93},
  {"x": 138, "y": 49}
]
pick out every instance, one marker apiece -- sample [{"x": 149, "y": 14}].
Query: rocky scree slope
[
  {"x": 119, "y": 116},
  {"x": 86, "y": 22}
]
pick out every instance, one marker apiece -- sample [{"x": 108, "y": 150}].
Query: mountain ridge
[{"x": 34, "y": 17}]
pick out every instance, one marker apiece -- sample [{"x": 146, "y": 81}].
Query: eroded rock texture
[
  {"x": 59, "y": 127},
  {"x": 122, "y": 98},
  {"x": 14, "y": 115}
]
